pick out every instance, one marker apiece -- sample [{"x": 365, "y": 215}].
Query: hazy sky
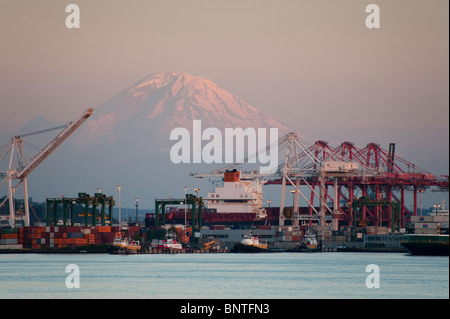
[{"x": 312, "y": 64}]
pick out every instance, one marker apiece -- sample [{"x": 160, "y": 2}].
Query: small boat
[
  {"x": 169, "y": 243},
  {"x": 250, "y": 244},
  {"x": 309, "y": 244},
  {"x": 125, "y": 245}
]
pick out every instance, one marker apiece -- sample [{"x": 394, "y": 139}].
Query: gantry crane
[
  {"x": 301, "y": 165},
  {"x": 25, "y": 166}
]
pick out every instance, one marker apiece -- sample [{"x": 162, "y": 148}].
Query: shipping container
[
  {"x": 9, "y": 241},
  {"x": 104, "y": 229},
  {"x": 9, "y": 236},
  {"x": 8, "y": 230},
  {"x": 12, "y": 246},
  {"x": 75, "y": 235}
]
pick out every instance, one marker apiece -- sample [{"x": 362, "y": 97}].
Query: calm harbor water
[{"x": 225, "y": 276}]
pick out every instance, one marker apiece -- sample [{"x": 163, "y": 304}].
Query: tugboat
[
  {"x": 308, "y": 245},
  {"x": 124, "y": 246},
  {"x": 250, "y": 244},
  {"x": 169, "y": 243}
]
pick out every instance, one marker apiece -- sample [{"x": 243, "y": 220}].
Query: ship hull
[
  {"x": 242, "y": 248},
  {"x": 427, "y": 249},
  {"x": 304, "y": 250},
  {"x": 427, "y": 245}
]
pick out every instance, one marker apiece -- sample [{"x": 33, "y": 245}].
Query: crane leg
[
  {"x": 27, "y": 206},
  {"x": 12, "y": 214}
]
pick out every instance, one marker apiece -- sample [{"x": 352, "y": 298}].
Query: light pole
[
  {"x": 268, "y": 202},
  {"x": 137, "y": 201},
  {"x": 119, "y": 187},
  {"x": 197, "y": 190},
  {"x": 436, "y": 208},
  {"x": 185, "y": 213}
]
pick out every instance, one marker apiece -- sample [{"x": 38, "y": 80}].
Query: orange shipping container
[
  {"x": 10, "y": 236},
  {"x": 104, "y": 229},
  {"x": 81, "y": 241}
]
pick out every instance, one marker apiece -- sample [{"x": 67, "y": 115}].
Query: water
[{"x": 225, "y": 276}]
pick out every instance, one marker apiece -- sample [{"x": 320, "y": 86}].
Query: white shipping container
[
  {"x": 425, "y": 225},
  {"x": 9, "y": 241},
  {"x": 11, "y": 246},
  {"x": 427, "y": 219},
  {"x": 381, "y": 230},
  {"x": 426, "y": 231}
]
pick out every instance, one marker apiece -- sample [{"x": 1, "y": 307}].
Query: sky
[{"x": 312, "y": 64}]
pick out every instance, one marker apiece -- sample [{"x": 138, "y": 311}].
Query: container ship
[
  {"x": 428, "y": 235},
  {"x": 234, "y": 202}
]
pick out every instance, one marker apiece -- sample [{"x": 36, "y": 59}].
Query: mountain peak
[{"x": 166, "y": 100}]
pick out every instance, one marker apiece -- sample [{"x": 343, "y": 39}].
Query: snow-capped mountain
[
  {"x": 151, "y": 108},
  {"x": 127, "y": 140}
]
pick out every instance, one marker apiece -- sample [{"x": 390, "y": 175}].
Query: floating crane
[{"x": 26, "y": 166}]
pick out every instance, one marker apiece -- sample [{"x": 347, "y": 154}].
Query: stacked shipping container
[{"x": 60, "y": 236}]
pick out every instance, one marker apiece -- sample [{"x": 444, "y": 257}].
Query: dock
[{"x": 171, "y": 251}]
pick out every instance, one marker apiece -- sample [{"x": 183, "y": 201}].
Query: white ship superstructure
[{"x": 237, "y": 195}]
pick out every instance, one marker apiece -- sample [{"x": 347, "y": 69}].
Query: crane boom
[
  {"x": 26, "y": 167},
  {"x": 53, "y": 144}
]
